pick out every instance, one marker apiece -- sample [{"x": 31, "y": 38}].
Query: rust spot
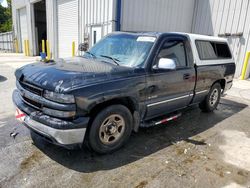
[
  {"x": 31, "y": 160},
  {"x": 240, "y": 179},
  {"x": 207, "y": 169},
  {"x": 156, "y": 174},
  {"x": 188, "y": 160},
  {"x": 208, "y": 158},
  {"x": 191, "y": 159},
  {"x": 242, "y": 173},
  {"x": 217, "y": 171},
  {"x": 142, "y": 184},
  {"x": 179, "y": 151},
  {"x": 221, "y": 174}
]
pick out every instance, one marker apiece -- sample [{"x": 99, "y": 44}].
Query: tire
[
  {"x": 212, "y": 100},
  {"x": 110, "y": 129}
]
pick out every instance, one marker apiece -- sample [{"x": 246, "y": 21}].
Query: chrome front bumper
[
  {"x": 58, "y": 131},
  {"x": 61, "y": 137}
]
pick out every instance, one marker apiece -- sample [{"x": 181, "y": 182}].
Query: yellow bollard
[
  {"x": 25, "y": 48},
  {"x": 244, "y": 69},
  {"x": 16, "y": 46},
  {"x": 48, "y": 50},
  {"x": 73, "y": 48},
  {"x": 43, "y": 46},
  {"x": 28, "y": 48}
]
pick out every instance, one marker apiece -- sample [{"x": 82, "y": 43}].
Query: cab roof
[{"x": 192, "y": 36}]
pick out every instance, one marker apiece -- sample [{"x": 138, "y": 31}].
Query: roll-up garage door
[
  {"x": 67, "y": 20},
  {"x": 23, "y": 26}
]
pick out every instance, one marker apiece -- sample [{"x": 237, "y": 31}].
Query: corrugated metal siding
[
  {"x": 215, "y": 17},
  {"x": 21, "y": 5},
  {"x": 97, "y": 13},
  {"x": 67, "y": 20},
  {"x": 157, "y": 15},
  {"x": 6, "y": 41}
]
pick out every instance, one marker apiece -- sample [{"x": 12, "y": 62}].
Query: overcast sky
[{"x": 4, "y": 3}]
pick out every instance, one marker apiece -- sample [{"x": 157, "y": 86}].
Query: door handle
[{"x": 186, "y": 76}]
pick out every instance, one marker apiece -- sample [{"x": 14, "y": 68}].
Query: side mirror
[
  {"x": 166, "y": 63},
  {"x": 83, "y": 47}
]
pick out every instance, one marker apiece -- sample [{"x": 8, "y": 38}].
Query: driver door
[{"x": 170, "y": 90}]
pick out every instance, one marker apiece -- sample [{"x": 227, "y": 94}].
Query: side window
[
  {"x": 223, "y": 50},
  {"x": 175, "y": 50},
  {"x": 212, "y": 50},
  {"x": 206, "y": 50}
]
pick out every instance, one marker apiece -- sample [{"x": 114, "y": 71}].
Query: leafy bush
[{"x": 5, "y": 18}]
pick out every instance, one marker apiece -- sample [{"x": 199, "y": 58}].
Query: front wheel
[
  {"x": 110, "y": 129},
  {"x": 212, "y": 100}
]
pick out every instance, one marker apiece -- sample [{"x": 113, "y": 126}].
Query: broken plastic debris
[
  {"x": 228, "y": 172},
  {"x": 183, "y": 174},
  {"x": 14, "y": 134},
  {"x": 185, "y": 151}
]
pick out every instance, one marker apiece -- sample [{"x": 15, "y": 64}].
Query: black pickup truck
[{"x": 125, "y": 81}]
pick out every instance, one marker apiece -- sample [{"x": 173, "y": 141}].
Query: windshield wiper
[
  {"x": 92, "y": 55},
  {"x": 113, "y": 59}
]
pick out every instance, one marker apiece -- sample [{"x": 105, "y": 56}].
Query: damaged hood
[{"x": 66, "y": 74}]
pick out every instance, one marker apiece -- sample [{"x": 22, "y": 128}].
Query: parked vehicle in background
[{"x": 125, "y": 81}]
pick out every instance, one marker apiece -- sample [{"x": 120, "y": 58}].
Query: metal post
[
  {"x": 25, "y": 48},
  {"x": 28, "y": 48},
  {"x": 244, "y": 69},
  {"x": 43, "y": 46}
]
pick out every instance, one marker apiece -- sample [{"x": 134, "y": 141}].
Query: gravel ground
[{"x": 196, "y": 150}]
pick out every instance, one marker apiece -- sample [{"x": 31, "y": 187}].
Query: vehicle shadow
[{"x": 147, "y": 141}]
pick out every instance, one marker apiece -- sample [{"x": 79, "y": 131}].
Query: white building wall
[
  {"x": 97, "y": 13},
  {"x": 16, "y": 6},
  {"x": 211, "y": 17},
  {"x": 136, "y": 15},
  {"x": 67, "y": 25},
  {"x": 157, "y": 15},
  {"x": 23, "y": 26},
  {"x": 92, "y": 13},
  {"x": 226, "y": 17}
]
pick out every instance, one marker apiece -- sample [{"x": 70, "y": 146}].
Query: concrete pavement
[{"x": 240, "y": 89}]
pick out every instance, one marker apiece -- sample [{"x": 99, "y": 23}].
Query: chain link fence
[{"x": 7, "y": 42}]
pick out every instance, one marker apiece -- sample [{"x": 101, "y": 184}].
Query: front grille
[
  {"x": 32, "y": 96},
  {"x": 32, "y": 103},
  {"x": 31, "y": 88}
]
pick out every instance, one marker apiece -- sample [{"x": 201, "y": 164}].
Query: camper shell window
[{"x": 211, "y": 50}]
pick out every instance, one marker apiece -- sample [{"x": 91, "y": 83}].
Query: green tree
[{"x": 5, "y": 18}]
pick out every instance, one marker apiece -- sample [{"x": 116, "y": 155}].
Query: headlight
[{"x": 59, "y": 97}]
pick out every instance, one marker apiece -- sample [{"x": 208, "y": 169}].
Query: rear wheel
[
  {"x": 110, "y": 129},
  {"x": 212, "y": 100}
]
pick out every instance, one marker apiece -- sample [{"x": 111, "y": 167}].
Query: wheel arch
[
  {"x": 222, "y": 83},
  {"x": 129, "y": 102}
]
